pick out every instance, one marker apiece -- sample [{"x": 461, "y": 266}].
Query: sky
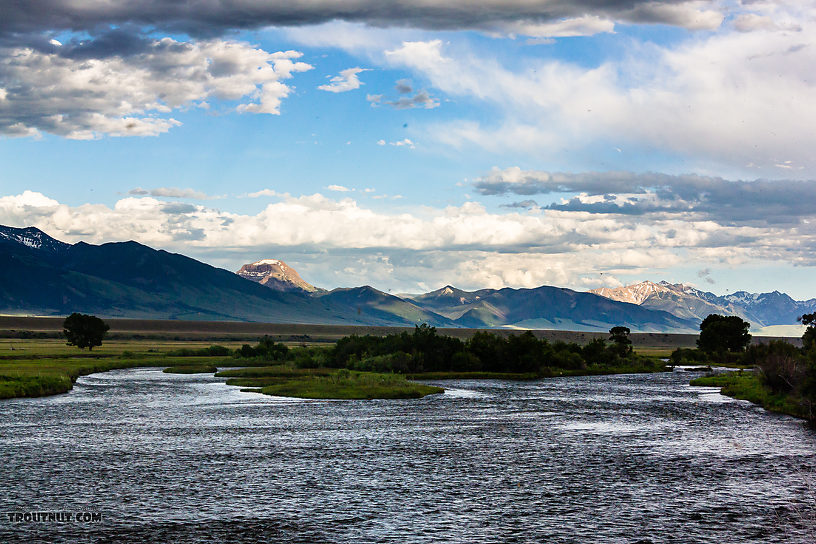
[{"x": 412, "y": 144}]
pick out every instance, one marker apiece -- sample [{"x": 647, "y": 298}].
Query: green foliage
[
  {"x": 425, "y": 351},
  {"x": 780, "y": 365},
  {"x": 784, "y": 379},
  {"x": 327, "y": 383},
  {"x": 211, "y": 351},
  {"x": 204, "y": 368},
  {"x": 748, "y": 386},
  {"x": 619, "y": 336},
  {"x": 809, "y": 338},
  {"x": 266, "y": 350},
  {"x": 688, "y": 356},
  {"x": 720, "y": 334},
  {"x": 84, "y": 331}
]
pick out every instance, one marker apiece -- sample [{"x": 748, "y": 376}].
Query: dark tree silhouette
[
  {"x": 619, "y": 336},
  {"x": 720, "y": 333},
  {"x": 809, "y": 338},
  {"x": 84, "y": 331}
]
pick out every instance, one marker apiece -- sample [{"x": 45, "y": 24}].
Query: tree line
[{"x": 424, "y": 350}]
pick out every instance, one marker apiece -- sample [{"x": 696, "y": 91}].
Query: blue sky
[{"x": 410, "y": 145}]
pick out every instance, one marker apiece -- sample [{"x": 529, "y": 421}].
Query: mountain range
[
  {"x": 760, "y": 309},
  {"x": 43, "y": 276}
]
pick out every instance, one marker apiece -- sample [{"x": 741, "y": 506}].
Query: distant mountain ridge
[
  {"x": 545, "y": 307},
  {"x": 43, "y": 276},
  {"x": 760, "y": 309},
  {"x": 31, "y": 237}
]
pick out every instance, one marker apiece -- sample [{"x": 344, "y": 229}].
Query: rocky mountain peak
[{"x": 276, "y": 274}]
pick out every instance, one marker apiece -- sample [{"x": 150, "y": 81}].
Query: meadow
[{"x": 41, "y": 367}]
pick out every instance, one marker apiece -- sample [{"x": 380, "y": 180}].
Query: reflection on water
[{"x": 181, "y": 458}]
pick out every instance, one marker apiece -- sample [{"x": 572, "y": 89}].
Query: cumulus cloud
[
  {"x": 518, "y": 248},
  {"x": 87, "y": 89},
  {"x": 758, "y": 202},
  {"x": 338, "y": 188},
  {"x": 346, "y": 81}
]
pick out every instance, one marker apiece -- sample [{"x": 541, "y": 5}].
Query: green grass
[
  {"x": 452, "y": 375},
  {"x": 201, "y": 368},
  {"x": 326, "y": 383},
  {"x": 50, "y": 370},
  {"x": 747, "y": 386}
]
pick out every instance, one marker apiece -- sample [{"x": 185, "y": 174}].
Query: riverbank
[
  {"x": 42, "y": 367},
  {"x": 748, "y": 386}
]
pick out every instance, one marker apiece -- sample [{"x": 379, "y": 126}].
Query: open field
[{"x": 235, "y": 332}]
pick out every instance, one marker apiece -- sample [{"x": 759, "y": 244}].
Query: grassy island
[{"x": 323, "y": 383}]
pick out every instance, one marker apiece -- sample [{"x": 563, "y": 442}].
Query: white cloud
[
  {"x": 262, "y": 192},
  {"x": 133, "y": 95},
  {"x": 338, "y": 188},
  {"x": 346, "y": 81},
  {"x": 723, "y": 100},
  {"x": 471, "y": 245},
  {"x": 405, "y": 142}
]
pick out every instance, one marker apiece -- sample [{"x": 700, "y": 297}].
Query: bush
[{"x": 780, "y": 364}]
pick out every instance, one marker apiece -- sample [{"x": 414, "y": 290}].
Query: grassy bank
[
  {"x": 747, "y": 386},
  {"x": 201, "y": 368},
  {"x": 512, "y": 376},
  {"x": 50, "y": 376},
  {"x": 40, "y": 367},
  {"x": 544, "y": 372},
  {"x": 325, "y": 383}
]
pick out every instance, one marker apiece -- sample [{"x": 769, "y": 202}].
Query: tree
[
  {"x": 619, "y": 336},
  {"x": 720, "y": 333},
  {"x": 84, "y": 331},
  {"x": 809, "y": 338}
]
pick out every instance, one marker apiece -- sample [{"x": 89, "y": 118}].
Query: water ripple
[{"x": 184, "y": 458}]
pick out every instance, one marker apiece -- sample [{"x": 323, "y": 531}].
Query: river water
[{"x": 185, "y": 458}]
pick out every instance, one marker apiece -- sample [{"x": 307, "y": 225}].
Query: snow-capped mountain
[
  {"x": 276, "y": 274},
  {"x": 32, "y": 237},
  {"x": 760, "y": 309}
]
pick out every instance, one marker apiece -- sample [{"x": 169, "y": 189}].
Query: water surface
[{"x": 630, "y": 458}]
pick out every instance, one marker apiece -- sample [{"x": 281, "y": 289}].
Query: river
[{"x": 627, "y": 458}]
